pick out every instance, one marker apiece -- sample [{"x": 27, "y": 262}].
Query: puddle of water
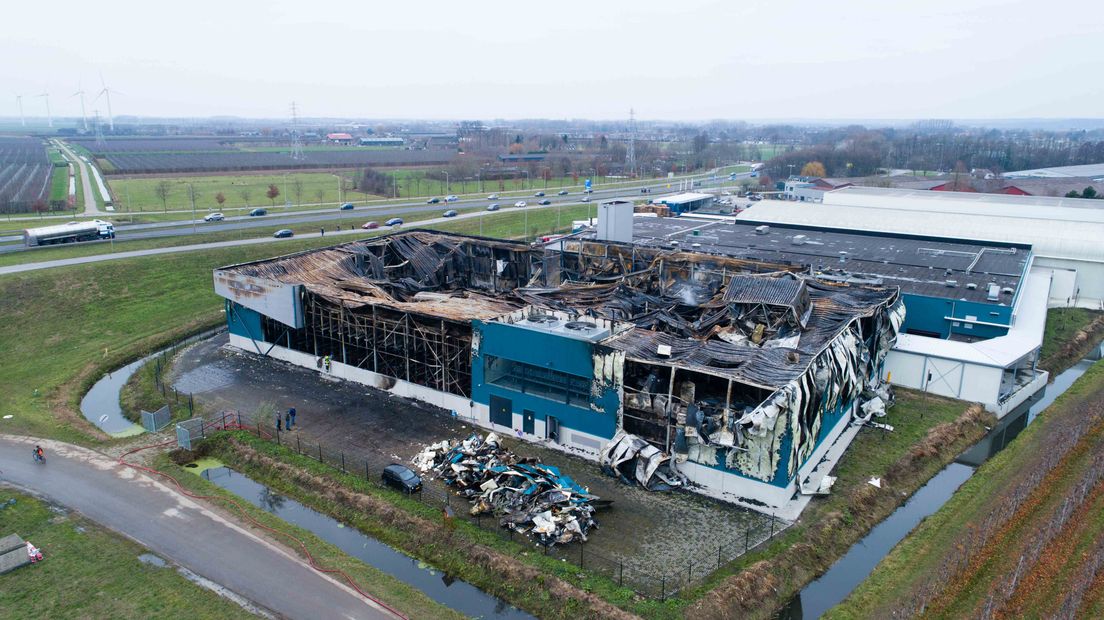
[
  {"x": 149, "y": 558},
  {"x": 101, "y": 404},
  {"x": 861, "y": 559},
  {"x": 459, "y": 595},
  {"x": 206, "y": 378}
]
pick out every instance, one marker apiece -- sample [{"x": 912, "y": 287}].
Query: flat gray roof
[{"x": 919, "y": 265}]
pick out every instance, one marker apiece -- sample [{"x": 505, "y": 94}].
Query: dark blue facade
[
  {"x": 928, "y": 316},
  {"x": 594, "y": 416},
  {"x": 242, "y": 321}
]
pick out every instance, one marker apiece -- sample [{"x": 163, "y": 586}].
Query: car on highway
[
  {"x": 433, "y": 201},
  {"x": 754, "y": 197},
  {"x": 283, "y": 233},
  {"x": 520, "y": 203},
  {"x": 644, "y": 190},
  {"x": 214, "y": 217},
  {"x": 451, "y": 198},
  {"x": 539, "y": 194},
  {"x": 401, "y": 478},
  {"x": 589, "y": 190},
  {"x": 348, "y": 206},
  {"x": 257, "y": 212},
  {"x": 493, "y": 206},
  {"x": 370, "y": 225},
  {"x": 492, "y": 197},
  {"x": 545, "y": 202},
  {"x": 562, "y": 192},
  {"x": 450, "y": 213},
  {"x": 395, "y": 221},
  {"x": 586, "y": 198}
]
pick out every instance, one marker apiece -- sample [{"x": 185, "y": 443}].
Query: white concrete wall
[
  {"x": 951, "y": 378},
  {"x": 571, "y": 441}
]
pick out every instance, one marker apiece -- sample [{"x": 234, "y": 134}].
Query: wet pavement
[{"x": 664, "y": 532}]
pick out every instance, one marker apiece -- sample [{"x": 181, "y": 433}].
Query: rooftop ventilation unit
[
  {"x": 580, "y": 326},
  {"x": 762, "y": 230},
  {"x": 971, "y": 285},
  {"x": 994, "y": 293},
  {"x": 951, "y": 283},
  {"x": 1008, "y": 290},
  {"x": 538, "y": 317}
]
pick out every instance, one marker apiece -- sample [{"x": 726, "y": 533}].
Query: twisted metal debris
[{"x": 526, "y": 495}]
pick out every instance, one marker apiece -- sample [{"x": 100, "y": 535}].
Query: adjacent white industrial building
[
  {"x": 1065, "y": 233},
  {"x": 1066, "y": 269}
]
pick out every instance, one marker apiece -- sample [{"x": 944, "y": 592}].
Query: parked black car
[
  {"x": 256, "y": 212},
  {"x": 402, "y": 478}
]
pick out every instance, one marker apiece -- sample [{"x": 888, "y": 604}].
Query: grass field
[
  {"x": 139, "y": 194},
  {"x": 59, "y": 183},
  {"x": 1022, "y": 538},
  {"x": 124, "y": 310},
  {"x": 90, "y": 572},
  {"x": 1060, "y": 349}
]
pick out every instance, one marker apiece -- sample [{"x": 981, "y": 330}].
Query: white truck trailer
[{"x": 69, "y": 233}]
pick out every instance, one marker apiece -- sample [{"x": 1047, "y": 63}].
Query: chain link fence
[{"x": 645, "y": 580}]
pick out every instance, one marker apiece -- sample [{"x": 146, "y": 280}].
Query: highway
[
  {"x": 379, "y": 212},
  {"x": 194, "y": 247}
]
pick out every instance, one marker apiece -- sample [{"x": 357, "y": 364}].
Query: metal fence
[
  {"x": 154, "y": 421},
  {"x": 646, "y": 581}
]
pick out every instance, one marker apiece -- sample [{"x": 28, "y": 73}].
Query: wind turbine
[
  {"x": 84, "y": 116},
  {"x": 19, "y": 100},
  {"x": 49, "y": 117},
  {"x": 106, "y": 92}
]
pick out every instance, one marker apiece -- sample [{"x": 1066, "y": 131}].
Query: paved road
[
  {"x": 278, "y": 218},
  {"x": 90, "y": 207},
  {"x": 181, "y": 529},
  {"x": 97, "y": 258}
]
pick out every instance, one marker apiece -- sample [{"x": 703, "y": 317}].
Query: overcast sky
[{"x": 676, "y": 59}]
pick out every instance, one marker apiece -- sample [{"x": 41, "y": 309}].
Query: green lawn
[
  {"x": 1061, "y": 326},
  {"x": 127, "y": 308},
  {"x": 241, "y": 191},
  {"x": 90, "y": 572},
  {"x": 915, "y": 562},
  {"x": 59, "y": 183}
]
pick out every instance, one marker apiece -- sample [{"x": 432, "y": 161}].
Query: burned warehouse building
[{"x": 668, "y": 365}]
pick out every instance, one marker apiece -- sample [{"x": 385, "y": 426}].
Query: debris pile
[
  {"x": 632, "y": 459},
  {"x": 526, "y": 495}
]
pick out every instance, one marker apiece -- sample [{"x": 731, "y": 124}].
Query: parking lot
[{"x": 670, "y": 531}]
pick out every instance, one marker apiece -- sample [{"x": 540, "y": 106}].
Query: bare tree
[
  {"x": 319, "y": 194},
  {"x": 297, "y": 190},
  {"x": 245, "y": 194},
  {"x": 162, "y": 190}
]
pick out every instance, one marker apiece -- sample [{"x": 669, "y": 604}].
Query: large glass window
[{"x": 536, "y": 380}]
